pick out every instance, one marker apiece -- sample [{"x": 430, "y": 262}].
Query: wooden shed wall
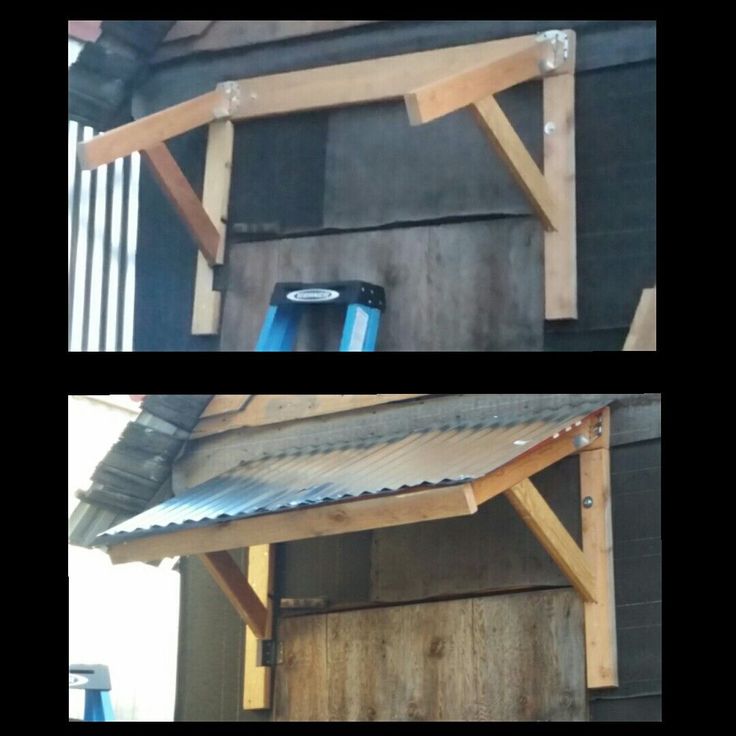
[
  {"x": 500, "y": 658},
  {"x": 347, "y": 170},
  {"x": 491, "y": 551}
]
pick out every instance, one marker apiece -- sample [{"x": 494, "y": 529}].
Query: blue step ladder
[
  {"x": 94, "y": 679},
  {"x": 364, "y": 303}
]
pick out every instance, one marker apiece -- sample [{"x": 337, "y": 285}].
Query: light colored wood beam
[
  {"x": 643, "y": 332},
  {"x": 179, "y": 192},
  {"x": 498, "y": 72},
  {"x": 515, "y": 155},
  {"x": 215, "y": 200},
  {"x": 225, "y": 404},
  {"x": 560, "y": 245},
  {"x": 600, "y": 616},
  {"x": 257, "y": 680},
  {"x": 372, "y": 512},
  {"x": 152, "y": 129},
  {"x": 385, "y": 78},
  {"x": 553, "y": 536},
  {"x": 359, "y": 82},
  {"x": 226, "y": 573},
  {"x": 273, "y": 408},
  {"x": 535, "y": 460}
]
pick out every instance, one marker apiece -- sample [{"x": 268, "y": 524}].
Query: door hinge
[{"x": 270, "y": 653}]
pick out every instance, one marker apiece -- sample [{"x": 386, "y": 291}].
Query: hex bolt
[{"x": 587, "y": 502}]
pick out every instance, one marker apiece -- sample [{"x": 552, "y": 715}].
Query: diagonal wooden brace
[
  {"x": 553, "y": 536},
  {"x": 517, "y": 158},
  {"x": 176, "y": 187},
  {"x": 238, "y": 590}
]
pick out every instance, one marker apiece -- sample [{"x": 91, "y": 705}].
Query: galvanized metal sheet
[{"x": 448, "y": 454}]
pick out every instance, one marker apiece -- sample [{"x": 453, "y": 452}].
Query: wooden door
[{"x": 499, "y": 658}]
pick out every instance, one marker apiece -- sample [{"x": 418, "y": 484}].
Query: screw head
[
  {"x": 587, "y": 502},
  {"x": 549, "y": 128}
]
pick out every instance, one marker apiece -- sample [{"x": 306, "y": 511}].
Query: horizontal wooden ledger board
[{"x": 270, "y": 409}]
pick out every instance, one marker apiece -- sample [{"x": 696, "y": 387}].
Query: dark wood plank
[
  {"x": 489, "y": 551},
  {"x": 470, "y": 286}
]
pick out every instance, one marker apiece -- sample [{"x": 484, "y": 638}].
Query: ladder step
[{"x": 364, "y": 303}]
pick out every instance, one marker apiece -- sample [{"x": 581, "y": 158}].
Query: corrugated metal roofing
[{"x": 450, "y": 454}]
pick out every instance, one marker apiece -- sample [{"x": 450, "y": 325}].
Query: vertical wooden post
[
  {"x": 257, "y": 680},
  {"x": 560, "y": 246},
  {"x": 600, "y": 617},
  {"x": 215, "y": 198}
]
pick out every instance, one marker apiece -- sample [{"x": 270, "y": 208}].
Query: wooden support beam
[
  {"x": 643, "y": 332},
  {"x": 373, "y": 512},
  {"x": 257, "y": 680},
  {"x": 215, "y": 200},
  {"x": 560, "y": 245},
  {"x": 274, "y": 408},
  {"x": 234, "y": 585},
  {"x": 534, "y": 460},
  {"x": 553, "y": 536},
  {"x": 152, "y": 129},
  {"x": 499, "y": 72},
  {"x": 385, "y": 78},
  {"x": 373, "y": 80},
  {"x": 176, "y": 187},
  {"x": 225, "y": 404},
  {"x": 515, "y": 155},
  {"x": 600, "y": 616}
]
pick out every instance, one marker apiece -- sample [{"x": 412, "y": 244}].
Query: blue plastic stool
[{"x": 94, "y": 679}]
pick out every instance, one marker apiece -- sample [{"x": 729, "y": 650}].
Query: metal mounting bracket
[{"x": 560, "y": 43}]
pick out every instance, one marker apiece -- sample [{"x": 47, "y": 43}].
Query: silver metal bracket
[
  {"x": 232, "y": 100},
  {"x": 560, "y": 43}
]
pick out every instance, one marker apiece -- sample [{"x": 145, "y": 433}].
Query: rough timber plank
[
  {"x": 215, "y": 197},
  {"x": 560, "y": 246},
  {"x": 600, "y": 616}
]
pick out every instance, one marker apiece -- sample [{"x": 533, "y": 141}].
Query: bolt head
[{"x": 587, "y": 502}]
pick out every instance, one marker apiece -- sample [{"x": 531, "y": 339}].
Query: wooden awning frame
[
  {"x": 589, "y": 570},
  {"x": 431, "y": 83}
]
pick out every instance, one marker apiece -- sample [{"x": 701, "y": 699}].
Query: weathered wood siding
[
  {"x": 471, "y": 286},
  {"x": 502, "y": 658}
]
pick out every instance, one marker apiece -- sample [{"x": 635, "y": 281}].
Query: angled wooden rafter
[
  {"x": 584, "y": 434},
  {"x": 432, "y": 84},
  {"x": 459, "y": 90}
]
